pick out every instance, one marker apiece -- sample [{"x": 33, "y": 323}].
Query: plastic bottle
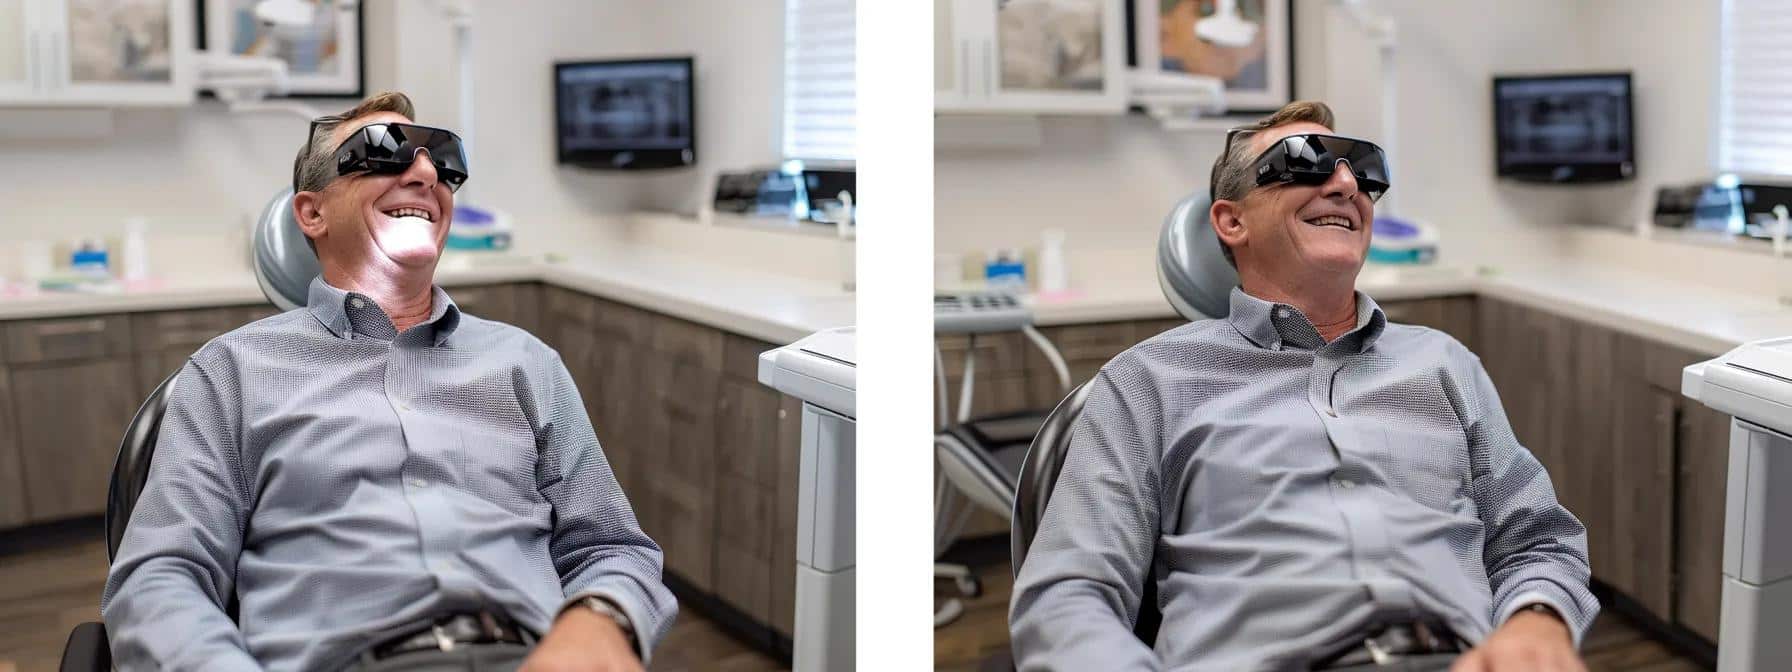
[
  {"x": 1054, "y": 275},
  {"x": 135, "y": 256}
]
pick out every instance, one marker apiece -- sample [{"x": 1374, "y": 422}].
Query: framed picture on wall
[
  {"x": 1247, "y": 43},
  {"x": 323, "y": 57}
]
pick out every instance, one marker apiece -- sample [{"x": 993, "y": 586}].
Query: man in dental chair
[
  {"x": 1309, "y": 485},
  {"x": 379, "y": 481}
]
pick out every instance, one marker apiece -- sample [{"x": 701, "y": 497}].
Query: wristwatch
[
  {"x": 1544, "y": 609},
  {"x": 606, "y": 608}
]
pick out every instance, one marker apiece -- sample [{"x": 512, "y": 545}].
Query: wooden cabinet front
[
  {"x": 71, "y": 416},
  {"x": 677, "y": 466},
  {"x": 12, "y": 477}
]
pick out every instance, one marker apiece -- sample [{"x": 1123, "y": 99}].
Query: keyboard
[{"x": 978, "y": 313}]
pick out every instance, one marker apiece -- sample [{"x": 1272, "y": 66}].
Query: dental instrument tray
[{"x": 978, "y": 313}]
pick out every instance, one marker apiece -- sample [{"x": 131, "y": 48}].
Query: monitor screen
[
  {"x": 626, "y": 114},
  {"x": 1564, "y": 128}
]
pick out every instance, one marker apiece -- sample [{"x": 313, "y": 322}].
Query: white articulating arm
[{"x": 1381, "y": 31}]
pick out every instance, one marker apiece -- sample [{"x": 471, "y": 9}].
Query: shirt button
[
  {"x": 357, "y": 302},
  {"x": 419, "y": 483},
  {"x": 1281, "y": 312},
  {"x": 1346, "y": 483}
]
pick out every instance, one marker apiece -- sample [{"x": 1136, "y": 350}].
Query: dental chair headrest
[
  {"x": 1191, "y": 268},
  {"x": 284, "y": 262}
]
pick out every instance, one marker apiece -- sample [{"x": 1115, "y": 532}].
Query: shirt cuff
[
  {"x": 1530, "y": 597},
  {"x": 629, "y": 613}
]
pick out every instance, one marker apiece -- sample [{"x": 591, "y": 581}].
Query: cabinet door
[
  {"x": 71, "y": 416},
  {"x": 1453, "y": 315},
  {"x": 1582, "y": 376},
  {"x": 491, "y": 302},
  {"x": 121, "y": 52},
  {"x": 1033, "y": 56},
  {"x": 22, "y": 48},
  {"x": 1640, "y": 538},
  {"x": 167, "y": 339},
  {"x": 618, "y": 409},
  {"x": 949, "y": 57},
  {"x": 746, "y": 495},
  {"x": 790, "y": 450},
  {"x": 1704, "y": 457},
  {"x": 12, "y": 479},
  {"x": 678, "y": 469}
]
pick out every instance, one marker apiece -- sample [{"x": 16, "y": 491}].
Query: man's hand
[
  {"x": 585, "y": 641},
  {"x": 1527, "y": 641}
]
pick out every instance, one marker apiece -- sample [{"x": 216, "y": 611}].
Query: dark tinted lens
[
  {"x": 1311, "y": 159},
  {"x": 391, "y": 148}
]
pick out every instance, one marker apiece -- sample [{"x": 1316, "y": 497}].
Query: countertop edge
[{"x": 772, "y": 330}]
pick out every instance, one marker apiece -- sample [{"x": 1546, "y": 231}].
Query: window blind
[
  {"x": 820, "y": 108},
  {"x": 1754, "y": 119}
]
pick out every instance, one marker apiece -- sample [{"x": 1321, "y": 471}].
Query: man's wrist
[
  {"x": 1541, "y": 615},
  {"x": 602, "y": 612}
]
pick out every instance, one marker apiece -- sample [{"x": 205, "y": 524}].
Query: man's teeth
[
  {"x": 1331, "y": 220},
  {"x": 409, "y": 212}
]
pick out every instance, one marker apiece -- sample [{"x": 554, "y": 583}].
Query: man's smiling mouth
[
  {"x": 1332, "y": 220},
  {"x": 397, "y": 213}
]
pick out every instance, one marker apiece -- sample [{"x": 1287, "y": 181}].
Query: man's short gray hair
[
  {"x": 1231, "y": 178},
  {"x": 315, "y": 165}
]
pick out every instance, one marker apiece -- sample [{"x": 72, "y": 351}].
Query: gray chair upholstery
[
  {"x": 1197, "y": 280},
  {"x": 284, "y": 261},
  {"x": 284, "y": 268}
]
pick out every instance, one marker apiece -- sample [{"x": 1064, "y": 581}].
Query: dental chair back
[
  {"x": 284, "y": 261},
  {"x": 1197, "y": 280}
]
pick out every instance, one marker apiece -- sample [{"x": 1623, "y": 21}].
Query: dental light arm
[{"x": 1381, "y": 32}]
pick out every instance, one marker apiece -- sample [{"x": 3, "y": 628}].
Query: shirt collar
[
  {"x": 1276, "y": 326},
  {"x": 347, "y": 313}
]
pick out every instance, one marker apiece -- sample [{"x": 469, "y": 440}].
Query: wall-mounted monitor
[
  {"x": 1564, "y": 128},
  {"x": 626, "y": 115}
]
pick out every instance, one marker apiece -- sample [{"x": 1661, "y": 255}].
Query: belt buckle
[
  {"x": 443, "y": 641},
  {"x": 1378, "y": 654}
]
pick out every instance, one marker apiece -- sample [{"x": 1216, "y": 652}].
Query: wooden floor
[
  {"x": 978, "y": 640},
  {"x": 51, "y": 582}
]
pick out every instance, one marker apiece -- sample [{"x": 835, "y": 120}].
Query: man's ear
[
  {"x": 305, "y": 211},
  {"x": 1223, "y": 215}
]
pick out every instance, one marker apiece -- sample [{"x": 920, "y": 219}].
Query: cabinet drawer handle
[{"x": 92, "y": 326}]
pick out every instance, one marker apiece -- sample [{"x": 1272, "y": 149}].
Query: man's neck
[
  {"x": 1331, "y": 307},
  {"x": 405, "y": 294}
]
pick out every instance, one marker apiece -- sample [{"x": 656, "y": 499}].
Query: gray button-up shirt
[
  {"x": 1283, "y": 492},
  {"x": 341, "y": 479}
]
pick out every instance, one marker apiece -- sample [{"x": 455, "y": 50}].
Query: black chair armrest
[{"x": 87, "y": 649}]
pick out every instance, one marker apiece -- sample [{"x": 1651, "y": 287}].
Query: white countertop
[
  {"x": 774, "y": 308},
  {"x": 1701, "y": 319}
]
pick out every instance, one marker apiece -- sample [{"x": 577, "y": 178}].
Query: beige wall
[
  {"x": 1110, "y": 181},
  {"x": 201, "y": 171}
]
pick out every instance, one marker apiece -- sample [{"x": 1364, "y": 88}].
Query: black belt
[
  {"x": 1394, "y": 641},
  {"x": 447, "y": 632}
]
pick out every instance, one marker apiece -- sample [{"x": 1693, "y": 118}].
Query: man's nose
[
  {"x": 1342, "y": 183},
  {"x": 422, "y": 171}
]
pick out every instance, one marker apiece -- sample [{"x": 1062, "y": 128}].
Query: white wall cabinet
[
  {"x": 81, "y": 53},
  {"x": 1030, "y": 56}
]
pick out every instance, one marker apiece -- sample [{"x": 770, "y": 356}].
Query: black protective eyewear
[
  {"x": 1311, "y": 158},
  {"x": 389, "y": 148}
]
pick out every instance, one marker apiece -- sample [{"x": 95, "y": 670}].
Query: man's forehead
[
  {"x": 1262, "y": 140},
  {"x": 348, "y": 128}
]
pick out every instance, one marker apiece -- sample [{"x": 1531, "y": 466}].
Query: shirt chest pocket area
[
  {"x": 499, "y": 464},
  {"x": 1429, "y": 462}
]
